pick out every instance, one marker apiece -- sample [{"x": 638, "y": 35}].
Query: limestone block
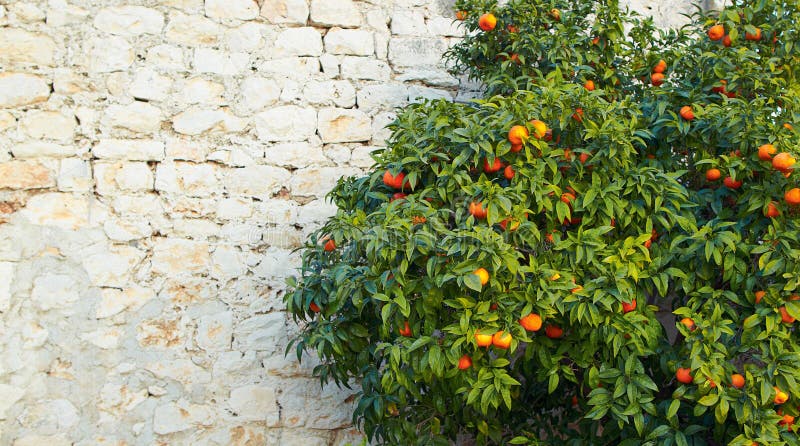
[
  {"x": 38, "y": 124},
  {"x": 7, "y": 272},
  {"x": 178, "y": 256},
  {"x": 181, "y": 416},
  {"x": 290, "y": 12},
  {"x": 160, "y": 334},
  {"x": 202, "y": 91},
  {"x": 36, "y": 149},
  {"x": 364, "y": 68},
  {"x": 38, "y": 440},
  {"x": 349, "y": 41},
  {"x": 60, "y": 13},
  {"x": 18, "y": 89},
  {"x": 295, "y": 154},
  {"x": 54, "y": 291},
  {"x": 214, "y": 332},
  {"x": 196, "y": 121},
  {"x": 106, "y": 338},
  {"x": 112, "y": 177},
  {"x": 416, "y": 51},
  {"x": 344, "y": 125},
  {"x": 140, "y": 117},
  {"x": 74, "y": 175},
  {"x": 303, "y": 41},
  {"x": 317, "y": 181},
  {"x": 227, "y": 262},
  {"x": 220, "y": 62},
  {"x": 25, "y": 175},
  {"x": 66, "y": 211},
  {"x": 382, "y": 96},
  {"x": 276, "y": 211},
  {"x": 291, "y": 67},
  {"x": 126, "y": 229},
  {"x": 27, "y": 12},
  {"x": 18, "y": 46},
  {"x": 260, "y": 332},
  {"x": 112, "y": 268},
  {"x": 445, "y": 26},
  {"x": 108, "y": 54},
  {"x": 255, "y": 93},
  {"x": 315, "y": 212},
  {"x": 232, "y": 9},
  {"x": 129, "y": 149},
  {"x": 408, "y": 22},
  {"x": 149, "y": 85},
  {"x": 286, "y": 123},
  {"x": 129, "y": 20},
  {"x": 181, "y": 370},
  {"x": 255, "y": 403},
  {"x": 248, "y": 37},
  {"x": 9, "y": 395},
  {"x": 342, "y": 13},
  {"x": 192, "y": 30},
  {"x": 257, "y": 181},
  {"x": 339, "y": 93},
  {"x": 332, "y": 410},
  {"x": 166, "y": 57},
  {"x": 361, "y": 156}
]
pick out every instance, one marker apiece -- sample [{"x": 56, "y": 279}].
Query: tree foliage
[{"x": 609, "y": 226}]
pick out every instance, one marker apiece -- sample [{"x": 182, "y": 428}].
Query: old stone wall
[{"x": 159, "y": 161}]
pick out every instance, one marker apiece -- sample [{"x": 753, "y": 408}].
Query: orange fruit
[
  {"x": 477, "y": 210},
  {"x": 660, "y": 67},
  {"x": 716, "y": 32},
  {"x": 684, "y": 375},
  {"x": 516, "y": 147},
  {"x": 314, "y": 307},
  {"x": 483, "y": 340},
  {"x": 482, "y": 274},
  {"x": 578, "y": 115},
  {"x": 509, "y": 224},
  {"x": 687, "y": 113},
  {"x": 783, "y": 161},
  {"x": 418, "y": 220},
  {"x": 754, "y": 37},
  {"x": 657, "y": 79},
  {"x": 780, "y": 396},
  {"x": 589, "y": 85},
  {"x": 788, "y": 126},
  {"x": 627, "y": 307},
  {"x": 787, "y": 420},
  {"x": 539, "y": 129},
  {"x": 330, "y": 245},
  {"x": 772, "y": 210},
  {"x": 765, "y": 152},
  {"x": 508, "y": 172},
  {"x": 760, "y": 295},
  {"x": 553, "y": 331},
  {"x": 731, "y": 183},
  {"x": 688, "y": 323},
  {"x": 487, "y": 22},
  {"x": 584, "y": 157},
  {"x": 394, "y": 181},
  {"x": 727, "y": 41},
  {"x": 501, "y": 339},
  {"x": 555, "y": 277},
  {"x": 531, "y": 322},
  {"x": 792, "y": 196},
  {"x": 648, "y": 243},
  {"x": 512, "y": 29},
  {"x": 567, "y": 198},
  {"x": 713, "y": 174},
  {"x": 555, "y": 14},
  {"x": 398, "y": 196},
  {"x": 494, "y": 167},
  {"x": 405, "y": 331},
  {"x": 461, "y": 15},
  {"x": 577, "y": 289},
  {"x": 517, "y": 134},
  {"x": 786, "y": 318},
  {"x": 737, "y": 380},
  {"x": 464, "y": 362}
]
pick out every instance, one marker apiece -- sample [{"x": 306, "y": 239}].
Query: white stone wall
[{"x": 159, "y": 161}]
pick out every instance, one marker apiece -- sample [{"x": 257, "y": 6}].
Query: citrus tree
[{"x": 603, "y": 250}]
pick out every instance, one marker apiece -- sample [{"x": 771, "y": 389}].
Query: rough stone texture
[{"x": 160, "y": 160}]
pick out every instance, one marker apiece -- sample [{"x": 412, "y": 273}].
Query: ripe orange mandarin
[
  {"x": 716, "y": 32},
  {"x": 684, "y": 375},
  {"x": 713, "y": 174},
  {"x": 501, "y": 339},
  {"x": 531, "y": 322},
  {"x": 539, "y": 128},
  {"x": 765, "y": 152},
  {"x": 737, "y": 380},
  {"x": 464, "y": 362},
  {"x": 482, "y": 274},
  {"x": 783, "y": 161},
  {"x": 792, "y": 196},
  {"x": 487, "y": 22},
  {"x": 483, "y": 340},
  {"x": 517, "y": 134}
]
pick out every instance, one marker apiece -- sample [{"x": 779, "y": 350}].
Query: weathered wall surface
[{"x": 159, "y": 160}]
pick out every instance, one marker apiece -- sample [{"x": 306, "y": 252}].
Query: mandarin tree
[{"x": 603, "y": 250}]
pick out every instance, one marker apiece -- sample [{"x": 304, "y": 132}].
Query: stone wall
[{"x": 159, "y": 161}]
